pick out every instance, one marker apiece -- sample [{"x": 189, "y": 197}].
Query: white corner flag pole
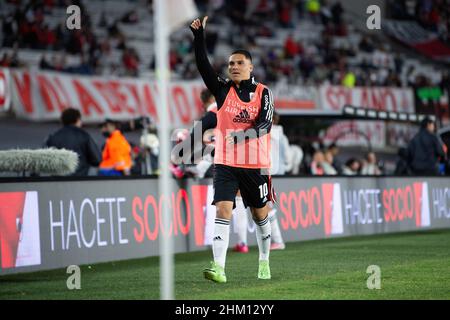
[{"x": 166, "y": 264}]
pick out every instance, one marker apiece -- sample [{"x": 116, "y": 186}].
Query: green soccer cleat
[
  {"x": 215, "y": 273},
  {"x": 264, "y": 270}
]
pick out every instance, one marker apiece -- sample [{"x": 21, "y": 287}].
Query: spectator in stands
[
  {"x": 352, "y": 167},
  {"x": 72, "y": 137},
  {"x": 44, "y": 64},
  {"x": 285, "y": 9},
  {"x": 59, "y": 62},
  {"x": 291, "y": 47},
  {"x": 425, "y": 150},
  {"x": 393, "y": 80},
  {"x": 6, "y": 60},
  {"x": 60, "y": 36},
  {"x": 103, "y": 21},
  {"x": 370, "y": 166},
  {"x": 325, "y": 14},
  {"x": 47, "y": 37},
  {"x": 9, "y": 26},
  {"x": 336, "y": 12},
  {"x": 236, "y": 10},
  {"x": 149, "y": 143},
  {"x": 336, "y": 163},
  {"x": 349, "y": 79},
  {"x": 328, "y": 164},
  {"x": 116, "y": 155},
  {"x": 76, "y": 42},
  {"x": 307, "y": 65},
  {"x": 329, "y": 159},
  {"x": 316, "y": 166},
  {"x": 130, "y": 17},
  {"x": 321, "y": 165},
  {"x": 130, "y": 60},
  {"x": 84, "y": 68},
  {"x": 313, "y": 9},
  {"x": 29, "y": 25},
  {"x": 445, "y": 82},
  {"x": 366, "y": 44}
]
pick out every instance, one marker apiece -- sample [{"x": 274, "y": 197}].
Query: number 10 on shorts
[{"x": 263, "y": 190}]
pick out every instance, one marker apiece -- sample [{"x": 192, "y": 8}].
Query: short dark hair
[
  {"x": 243, "y": 52},
  {"x": 424, "y": 123},
  {"x": 110, "y": 121},
  {"x": 351, "y": 161},
  {"x": 332, "y": 146},
  {"x": 205, "y": 95},
  {"x": 70, "y": 116}
]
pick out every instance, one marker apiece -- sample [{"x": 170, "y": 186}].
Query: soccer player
[
  {"x": 241, "y": 160},
  {"x": 205, "y": 125}
]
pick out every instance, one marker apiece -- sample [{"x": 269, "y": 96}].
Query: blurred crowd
[
  {"x": 267, "y": 28},
  {"x": 433, "y": 15},
  {"x": 24, "y": 26},
  {"x": 297, "y": 60}
]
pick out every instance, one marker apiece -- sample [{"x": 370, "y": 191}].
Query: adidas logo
[
  {"x": 242, "y": 117},
  {"x": 217, "y": 238},
  {"x": 265, "y": 199},
  {"x": 266, "y": 238}
]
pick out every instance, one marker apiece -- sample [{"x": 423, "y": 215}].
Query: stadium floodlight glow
[
  {"x": 393, "y": 115},
  {"x": 371, "y": 113},
  {"x": 349, "y": 109},
  {"x": 361, "y": 112},
  {"x": 403, "y": 116},
  {"x": 412, "y": 117},
  {"x": 382, "y": 114}
]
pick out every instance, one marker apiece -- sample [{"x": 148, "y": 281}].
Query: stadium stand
[
  {"x": 297, "y": 45},
  {"x": 297, "y": 42}
]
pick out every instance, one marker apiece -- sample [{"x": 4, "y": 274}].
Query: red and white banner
[
  {"x": 424, "y": 41},
  {"x": 43, "y": 95},
  {"x": 334, "y": 98},
  {"x": 290, "y": 99},
  {"x": 356, "y": 133},
  {"x": 5, "y": 96}
]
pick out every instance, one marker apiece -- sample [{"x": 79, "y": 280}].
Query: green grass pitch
[{"x": 413, "y": 266}]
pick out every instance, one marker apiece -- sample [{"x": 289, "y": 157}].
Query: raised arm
[{"x": 207, "y": 72}]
